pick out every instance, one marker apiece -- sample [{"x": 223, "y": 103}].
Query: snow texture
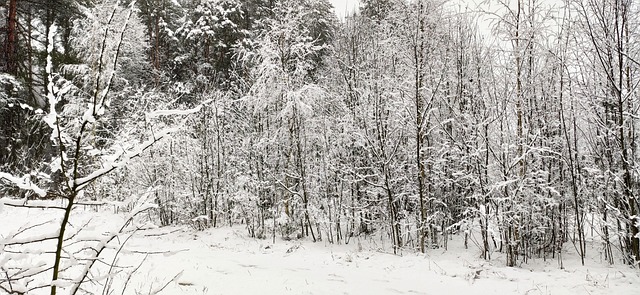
[{"x": 226, "y": 261}]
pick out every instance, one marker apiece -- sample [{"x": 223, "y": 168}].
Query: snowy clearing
[{"x": 226, "y": 261}]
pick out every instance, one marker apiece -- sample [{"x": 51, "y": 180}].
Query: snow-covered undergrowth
[{"x": 178, "y": 260}]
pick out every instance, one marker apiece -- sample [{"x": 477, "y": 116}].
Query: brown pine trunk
[{"x": 12, "y": 38}]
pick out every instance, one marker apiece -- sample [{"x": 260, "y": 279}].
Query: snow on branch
[
  {"x": 113, "y": 162},
  {"x": 23, "y": 183},
  {"x": 158, "y": 113},
  {"x": 51, "y": 117},
  {"x": 125, "y": 158}
]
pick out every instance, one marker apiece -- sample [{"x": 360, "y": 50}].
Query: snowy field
[{"x": 226, "y": 261}]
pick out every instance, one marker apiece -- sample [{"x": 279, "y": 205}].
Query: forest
[{"x": 406, "y": 120}]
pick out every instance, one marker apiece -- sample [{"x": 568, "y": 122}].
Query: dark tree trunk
[{"x": 11, "y": 38}]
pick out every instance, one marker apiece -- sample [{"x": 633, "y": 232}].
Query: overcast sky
[{"x": 344, "y": 6}]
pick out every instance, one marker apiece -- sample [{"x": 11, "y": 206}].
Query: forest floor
[{"x": 226, "y": 261}]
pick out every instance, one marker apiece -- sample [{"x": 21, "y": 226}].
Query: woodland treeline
[{"x": 512, "y": 122}]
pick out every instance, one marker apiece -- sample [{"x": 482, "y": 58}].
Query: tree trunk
[{"x": 11, "y": 39}]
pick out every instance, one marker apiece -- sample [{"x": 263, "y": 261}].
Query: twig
[
  {"x": 156, "y": 291},
  {"x": 126, "y": 282}
]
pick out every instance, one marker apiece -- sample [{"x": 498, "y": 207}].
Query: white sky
[{"x": 342, "y": 7}]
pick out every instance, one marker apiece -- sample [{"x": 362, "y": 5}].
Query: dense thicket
[{"x": 512, "y": 123}]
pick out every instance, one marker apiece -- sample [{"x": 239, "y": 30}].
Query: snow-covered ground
[{"x": 226, "y": 261}]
